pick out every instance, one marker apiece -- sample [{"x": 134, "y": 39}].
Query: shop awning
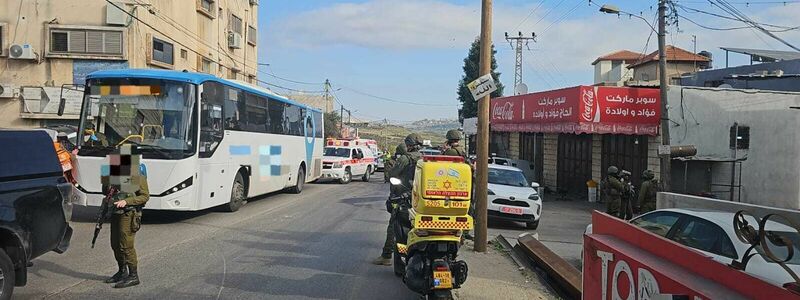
[{"x": 580, "y": 109}]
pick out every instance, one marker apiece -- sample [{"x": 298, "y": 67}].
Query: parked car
[
  {"x": 712, "y": 233},
  {"x": 35, "y": 204},
  {"x": 379, "y": 166},
  {"x": 524, "y": 165},
  {"x": 512, "y": 197}
]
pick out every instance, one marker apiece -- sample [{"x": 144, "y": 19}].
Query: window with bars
[
  {"x": 163, "y": 52},
  {"x": 252, "y": 35},
  {"x": 205, "y": 65},
  {"x": 235, "y": 24},
  {"x": 86, "y": 42}
]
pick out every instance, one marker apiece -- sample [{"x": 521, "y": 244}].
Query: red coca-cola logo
[
  {"x": 504, "y": 111},
  {"x": 587, "y": 96}
]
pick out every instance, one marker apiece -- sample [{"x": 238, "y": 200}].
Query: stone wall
[{"x": 550, "y": 170}]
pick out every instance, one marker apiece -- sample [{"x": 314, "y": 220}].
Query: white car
[
  {"x": 512, "y": 197},
  {"x": 343, "y": 163},
  {"x": 712, "y": 233}
]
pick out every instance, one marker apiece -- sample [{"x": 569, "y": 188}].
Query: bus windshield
[{"x": 157, "y": 115}]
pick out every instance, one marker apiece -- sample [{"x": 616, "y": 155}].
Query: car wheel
[
  {"x": 365, "y": 178},
  {"x": 237, "y": 194},
  {"x": 532, "y": 225},
  {"x": 346, "y": 177},
  {"x": 6, "y": 276},
  {"x": 301, "y": 179}
]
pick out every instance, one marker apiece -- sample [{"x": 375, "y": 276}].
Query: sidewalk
[{"x": 494, "y": 275}]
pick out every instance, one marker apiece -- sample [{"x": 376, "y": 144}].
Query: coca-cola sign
[
  {"x": 587, "y": 97},
  {"x": 503, "y": 111}
]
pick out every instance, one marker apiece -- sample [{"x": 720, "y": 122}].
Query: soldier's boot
[
  {"x": 131, "y": 280},
  {"x": 382, "y": 261},
  {"x": 119, "y": 276}
]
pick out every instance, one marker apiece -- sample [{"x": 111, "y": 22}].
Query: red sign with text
[{"x": 580, "y": 109}]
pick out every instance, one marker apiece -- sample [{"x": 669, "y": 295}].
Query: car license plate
[
  {"x": 442, "y": 280},
  {"x": 511, "y": 210}
]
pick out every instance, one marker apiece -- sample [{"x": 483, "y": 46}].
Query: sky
[{"x": 413, "y": 50}]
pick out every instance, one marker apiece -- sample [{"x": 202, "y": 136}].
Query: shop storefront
[{"x": 572, "y": 134}]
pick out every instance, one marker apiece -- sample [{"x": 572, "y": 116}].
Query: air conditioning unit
[
  {"x": 234, "y": 40},
  {"x": 253, "y": 2},
  {"x": 6, "y": 90},
  {"x": 23, "y": 51}
]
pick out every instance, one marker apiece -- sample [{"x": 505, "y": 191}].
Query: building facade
[
  {"x": 755, "y": 131},
  {"x": 679, "y": 61},
  {"x": 573, "y": 134},
  {"x": 47, "y": 45},
  {"x": 612, "y": 69},
  {"x": 774, "y": 76}
]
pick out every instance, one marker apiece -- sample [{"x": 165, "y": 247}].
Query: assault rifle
[{"x": 102, "y": 215}]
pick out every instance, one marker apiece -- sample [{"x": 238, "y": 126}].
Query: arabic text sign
[
  {"x": 482, "y": 87},
  {"x": 628, "y": 105}
]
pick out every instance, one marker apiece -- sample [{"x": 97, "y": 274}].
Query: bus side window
[{"x": 211, "y": 112}]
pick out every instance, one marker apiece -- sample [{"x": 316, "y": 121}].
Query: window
[
  {"x": 3, "y": 39},
  {"x": 659, "y": 223},
  {"x": 207, "y": 7},
  {"x": 235, "y": 24},
  {"x": 163, "y": 53},
  {"x": 252, "y": 35},
  {"x": 205, "y": 65},
  {"x": 232, "y": 73},
  {"x": 706, "y": 236},
  {"x": 71, "y": 42},
  {"x": 294, "y": 120},
  {"x": 740, "y": 136},
  {"x": 184, "y": 54},
  {"x": 211, "y": 122},
  {"x": 277, "y": 110},
  {"x": 256, "y": 113},
  {"x": 318, "y": 124},
  {"x": 235, "y": 109}
]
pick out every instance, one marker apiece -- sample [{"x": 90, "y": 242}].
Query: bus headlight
[{"x": 178, "y": 187}]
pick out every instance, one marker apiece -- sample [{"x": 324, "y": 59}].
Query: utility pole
[
  {"x": 481, "y": 176},
  {"x": 341, "y": 120},
  {"x": 516, "y": 43},
  {"x": 327, "y": 95},
  {"x": 694, "y": 43},
  {"x": 666, "y": 162}
]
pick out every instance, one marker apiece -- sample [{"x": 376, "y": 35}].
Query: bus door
[{"x": 213, "y": 158}]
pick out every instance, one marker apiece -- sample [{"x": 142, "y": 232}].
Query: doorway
[{"x": 574, "y": 162}]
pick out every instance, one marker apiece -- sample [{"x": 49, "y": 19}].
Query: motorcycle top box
[{"x": 443, "y": 186}]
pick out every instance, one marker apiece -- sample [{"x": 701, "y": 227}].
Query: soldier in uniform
[
  {"x": 612, "y": 191},
  {"x": 453, "y": 148},
  {"x": 628, "y": 196},
  {"x": 405, "y": 163},
  {"x": 389, "y": 163},
  {"x": 126, "y": 217},
  {"x": 647, "y": 191}
]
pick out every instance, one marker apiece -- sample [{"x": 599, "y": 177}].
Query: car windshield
[
  {"x": 337, "y": 152},
  {"x": 780, "y": 252},
  {"x": 507, "y": 177},
  {"x": 158, "y": 115}
]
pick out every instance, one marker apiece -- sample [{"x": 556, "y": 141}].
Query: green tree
[
  {"x": 332, "y": 129},
  {"x": 469, "y": 107}
]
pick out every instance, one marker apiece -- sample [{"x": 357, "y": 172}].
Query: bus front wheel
[{"x": 237, "y": 194}]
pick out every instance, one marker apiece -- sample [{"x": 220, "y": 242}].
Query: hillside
[
  {"x": 440, "y": 126},
  {"x": 389, "y": 136}
]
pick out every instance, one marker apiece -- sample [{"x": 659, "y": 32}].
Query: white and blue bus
[{"x": 205, "y": 141}]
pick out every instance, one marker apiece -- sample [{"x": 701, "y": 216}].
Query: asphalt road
[{"x": 314, "y": 245}]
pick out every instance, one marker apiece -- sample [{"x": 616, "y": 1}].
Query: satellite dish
[{"x": 521, "y": 89}]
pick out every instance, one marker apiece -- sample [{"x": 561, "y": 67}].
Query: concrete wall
[
  {"x": 653, "y": 161},
  {"x": 597, "y": 157},
  {"x": 550, "y": 161},
  {"x": 650, "y": 70},
  {"x": 513, "y": 145},
  {"x": 179, "y": 22},
  {"x": 771, "y": 172}
]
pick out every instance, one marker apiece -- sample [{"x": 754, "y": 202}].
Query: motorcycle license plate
[
  {"x": 442, "y": 280},
  {"x": 511, "y": 210}
]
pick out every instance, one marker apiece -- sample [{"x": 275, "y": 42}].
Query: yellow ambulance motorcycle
[{"x": 429, "y": 220}]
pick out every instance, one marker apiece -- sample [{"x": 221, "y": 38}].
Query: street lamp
[{"x": 662, "y": 81}]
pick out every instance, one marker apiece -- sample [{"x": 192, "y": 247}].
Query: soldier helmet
[
  {"x": 413, "y": 140},
  {"x": 400, "y": 150},
  {"x": 453, "y": 134},
  {"x": 613, "y": 170},
  {"x": 648, "y": 174}
]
